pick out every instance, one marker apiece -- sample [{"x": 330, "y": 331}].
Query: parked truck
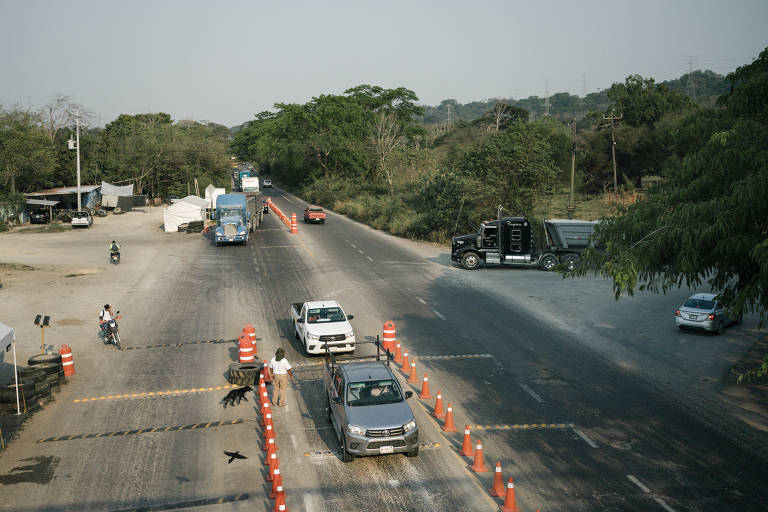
[
  {"x": 236, "y": 216},
  {"x": 321, "y": 324},
  {"x": 515, "y": 243},
  {"x": 249, "y": 184},
  {"x": 367, "y": 407}
]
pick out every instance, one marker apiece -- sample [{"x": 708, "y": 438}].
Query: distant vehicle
[
  {"x": 268, "y": 183},
  {"x": 565, "y": 238},
  {"x": 368, "y": 409},
  {"x": 249, "y": 184},
  {"x": 265, "y": 206},
  {"x": 314, "y": 214},
  {"x": 38, "y": 217},
  {"x": 81, "y": 219},
  {"x": 704, "y": 311},
  {"x": 321, "y": 323}
]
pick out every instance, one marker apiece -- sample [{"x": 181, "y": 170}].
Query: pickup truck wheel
[
  {"x": 470, "y": 260},
  {"x": 345, "y": 455},
  {"x": 548, "y": 261},
  {"x": 413, "y": 453}
]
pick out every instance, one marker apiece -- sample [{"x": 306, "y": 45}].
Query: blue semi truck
[{"x": 237, "y": 215}]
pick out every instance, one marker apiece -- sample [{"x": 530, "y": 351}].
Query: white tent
[
  {"x": 211, "y": 193},
  {"x": 7, "y": 341},
  {"x": 186, "y": 210},
  {"x": 109, "y": 189}
]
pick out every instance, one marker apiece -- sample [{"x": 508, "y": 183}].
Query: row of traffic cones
[{"x": 271, "y": 460}]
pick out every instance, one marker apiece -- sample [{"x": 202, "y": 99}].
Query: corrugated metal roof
[
  {"x": 42, "y": 202},
  {"x": 84, "y": 189}
]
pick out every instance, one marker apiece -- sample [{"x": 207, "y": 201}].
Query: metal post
[
  {"x": 499, "y": 237},
  {"x": 16, "y": 376},
  {"x": 77, "y": 131},
  {"x": 42, "y": 347},
  {"x": 613, "y": 155},
  {"x": 571, "y": 204}
]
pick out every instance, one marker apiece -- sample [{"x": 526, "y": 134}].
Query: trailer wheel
[
  {"x": 571, "y": 262},
  {"x": 470, "y": 260},
  {"x": 548, "y": 261}
]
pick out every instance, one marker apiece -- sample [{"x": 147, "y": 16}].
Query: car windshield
[
  {"x": 323, "y": 315},
  {"x": 699, "y": 304},
  {"x": 372, "y": 392},
  {"x": 231, "y": 212},
  {"x": 81, "y": 214},
  {"x": 316, "y": 209}
]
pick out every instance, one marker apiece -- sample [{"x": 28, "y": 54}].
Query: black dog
[
  {"x": 233, "y": 397},
  {"x": 234, "y": 455}
]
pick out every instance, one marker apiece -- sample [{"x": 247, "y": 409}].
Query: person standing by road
[{"x": 281, "y": 369}]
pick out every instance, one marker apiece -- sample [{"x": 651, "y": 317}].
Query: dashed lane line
[
  {"x": 524, "y": 426},
  {"x": 179, "y": 344},
  {"x": 531, "y": 392},
  {"x": 438, "y": 315},
  {"x": 148, "y": 430},
  {"x": 154, "y": 394},
  {"x": 585, "y": 438},
  {"x": 369, "y": 259},
  {"x": 663, "y": 504},
  {"x": 422, "y": 300}
]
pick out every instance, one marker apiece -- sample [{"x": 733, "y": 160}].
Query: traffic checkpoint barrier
[
  {"x": 294, "y": 224},
  {"x": 510, "y": 505},
  {"x": 498, "y": 489},
  {"x": 413, "y": 378},
  {"x": 278, "y": 212},
  {"x": 250, "y": 330},
  {"x": 424, "y": 395},
  {"x": 66, "y": 360},
  {"x": 388, "y": 341},
  {"x": 246, "y": 348}
]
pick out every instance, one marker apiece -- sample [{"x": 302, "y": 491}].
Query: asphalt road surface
[{"x": 589, "y": 404}]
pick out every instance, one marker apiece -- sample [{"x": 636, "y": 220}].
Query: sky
[{"x": 225, "y": 61}]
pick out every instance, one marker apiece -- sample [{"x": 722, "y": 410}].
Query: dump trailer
[
  {"x": 235, "y": 218},
  {"x": 514, "y": 243}
]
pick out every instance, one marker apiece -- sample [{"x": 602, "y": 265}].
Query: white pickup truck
[{"x": 322, "y": 323}]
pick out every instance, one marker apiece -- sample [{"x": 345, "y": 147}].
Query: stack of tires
[
  {"x": 195, "y": 226},
  {"x": 37, "y": 381},
  {"x": 244, "y": 374}
]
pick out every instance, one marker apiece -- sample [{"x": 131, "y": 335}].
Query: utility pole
[
  {"x": 76, "y": 145},
  {"x": 691, "y": 89},
  {"x": 571, "y": 204},
  {"x": 613, "y": 117},
  {"x": 546, "y": 98}
]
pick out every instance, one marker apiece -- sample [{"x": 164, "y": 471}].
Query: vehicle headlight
[
  {"x": 350, "y": 334},
  {"x": 313, "y": 337},
  {"x": 459, "y": 242},
  {"x": 409, "y": 426},
  {"x": 354, "y": 429},
  {"x": 241, "y": 232}
]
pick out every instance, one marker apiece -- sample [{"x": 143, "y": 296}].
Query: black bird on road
[{"x": 234, "y": 455}]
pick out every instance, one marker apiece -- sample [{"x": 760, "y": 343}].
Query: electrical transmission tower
[
  {"x": 613, "y": 117},
  {"x": 691, "y": 86},
  {"x": 546, "y": 98}
]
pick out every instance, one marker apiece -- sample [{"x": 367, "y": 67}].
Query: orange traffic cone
[
  {"x": 398, "y": 353},
  {"x": 280, "y": 500},
  {"x": 466, "y": 446},
  {"x": 268, "y": 433},
  {"x": 294, "y": 225},
  {"x": 406, "y": 368},
  {"x": 509, "y": 502},
  {"x": 274, "y": 463},
  {"x": 424, "y": 395},
  {"x": 264, "y": 402},
  {"x": 265, "y": 409},
  {"x": 448, "y": 425},
  {"x": 277, "y": 480},
  {"x": 261, "y": 379},
  {"x": 66, "y": 361},
  {"x": 271, "y": 448},
  {"x": 266, "y": 419},
  {"x": 498, "y": 488},
  {"x": 438, "y": 412},
  {"x": 479, "y": 465},
  {"x": 267, "y": 374},
  {"x": 413, "y": 378}
]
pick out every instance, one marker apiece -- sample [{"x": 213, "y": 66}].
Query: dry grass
[{"x": 587, "y": 207}]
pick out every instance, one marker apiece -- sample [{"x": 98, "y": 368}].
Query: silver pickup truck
[
  {"x": 322, "y": 323},
  {"x": 368, "y": 410}
]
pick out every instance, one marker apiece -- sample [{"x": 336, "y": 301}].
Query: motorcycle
[
  {"x": 114, "y": 258},
  {"x": 112, "y": 335}
]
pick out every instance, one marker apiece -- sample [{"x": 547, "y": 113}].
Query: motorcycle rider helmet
[{"x": 106, "y": 306}]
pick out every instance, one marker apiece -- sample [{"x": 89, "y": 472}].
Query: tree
[
  {"x": 61, "y": 111},
  {"x": 26, "y": 155},
  {"x": 386, "y": 137},
  {"x": 707, "y": 222},
  {"x": 642, "y": 102}
]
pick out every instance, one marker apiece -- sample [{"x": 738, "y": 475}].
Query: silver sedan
[{"x": 704, "y": 311}]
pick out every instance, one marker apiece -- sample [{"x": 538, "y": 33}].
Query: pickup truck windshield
[
  {"x": 373, "y": 392},
  {"x": 323, "y": 315},
  {"x": 231, "y": 212}
]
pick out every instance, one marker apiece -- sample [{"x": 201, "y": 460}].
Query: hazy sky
[{"x": 224, "y": 61}]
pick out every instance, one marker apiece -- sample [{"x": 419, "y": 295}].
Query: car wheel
[
  {"x": 470, "y": 260},
  {"x": 413, "y": 453},
  {"x": 720, "y": 327},
  {"x": 681, "y": 327},
  {"x": 547, "y": 262},
  {"x": 571, "y": 262},
  {"x": 345, "y": 455}
]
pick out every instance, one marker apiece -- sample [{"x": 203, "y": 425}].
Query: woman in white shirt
[{"x": 281, "y": 370}]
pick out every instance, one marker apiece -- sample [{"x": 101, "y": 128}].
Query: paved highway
[{"x": 588, "y": 403}]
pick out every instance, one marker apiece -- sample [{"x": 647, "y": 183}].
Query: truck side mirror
[
  {"x": 350, "y": 317},
  {"x": 300, "y": 320},
  {"x": 336, "y": 400},
  {"x": 408, "y": 394}
]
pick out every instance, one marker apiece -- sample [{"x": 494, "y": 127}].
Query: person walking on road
[{"x": 281, "y": 369}]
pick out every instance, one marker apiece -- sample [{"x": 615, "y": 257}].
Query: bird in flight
[{"x": 234, "y": 455}]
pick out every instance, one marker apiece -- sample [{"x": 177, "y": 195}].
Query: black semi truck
[{"x": 565, "y": 239}]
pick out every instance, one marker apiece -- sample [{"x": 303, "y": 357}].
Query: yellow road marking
[{"x": 149, "y": 394}]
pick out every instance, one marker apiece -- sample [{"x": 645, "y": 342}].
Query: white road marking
[
  {"x": 438, "y": 315},
  {"x": 585, "y": 438},
  {"x": 638, "y": 483},
  {"x": 532, "y": 393},
  {"x": 347, "y": 241},
  {"x": 353, "y": 245},
  {"x": 361, "y": 252},
  {"x": 293, "y": 441},
  {"x": 422, "y": 300},
  {"x": 370, "y": 259},
  {"x": 663, "y": 504},
  {"x": 286, "y": 198}
]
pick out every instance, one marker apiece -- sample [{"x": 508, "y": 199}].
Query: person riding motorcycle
[
  {"x": 114, "y": 249},
  {"x": 106, "y": 319}
]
